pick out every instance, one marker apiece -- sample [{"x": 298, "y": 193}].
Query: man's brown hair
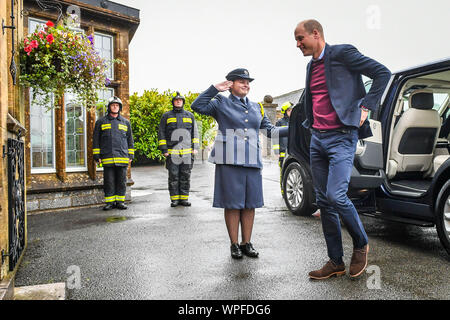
[{"x": 312, "y": 24}]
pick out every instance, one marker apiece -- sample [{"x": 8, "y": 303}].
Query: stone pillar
[{"x": 270, "y": 111}]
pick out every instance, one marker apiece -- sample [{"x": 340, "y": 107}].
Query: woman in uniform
[{"x": 238, "y": 180}]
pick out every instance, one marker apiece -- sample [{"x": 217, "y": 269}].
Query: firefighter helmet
[
  {"x": 177, "y": 95},
  {"x": 286, "y": 106},
  {"x": 114, "y": 100}
]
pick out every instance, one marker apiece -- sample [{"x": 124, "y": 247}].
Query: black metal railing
[{"x": 16, "y": 200}]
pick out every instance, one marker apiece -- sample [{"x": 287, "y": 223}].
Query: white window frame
[
  {"x": 39, "y": 170},
  {"x": 112, "y": 50},
  {"x": 75, "y": 169}
]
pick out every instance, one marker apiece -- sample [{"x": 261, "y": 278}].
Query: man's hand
[
  {"x": 364, "y": 115},
  {"x": 99, "y": 161},
  {"x": 224, "y": 86},
  {"x": 166, "y": 154},
  {"x": 195, "y": 151}
]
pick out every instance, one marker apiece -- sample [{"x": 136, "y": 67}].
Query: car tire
[
  {"x": 298, "y": 192},
  {"x": 443, "y": 216}
]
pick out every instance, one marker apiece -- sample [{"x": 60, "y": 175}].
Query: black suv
[{"x": 402, "y": 172}]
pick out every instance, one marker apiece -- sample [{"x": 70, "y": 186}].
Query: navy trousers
[{"x": 332, "y": 155}]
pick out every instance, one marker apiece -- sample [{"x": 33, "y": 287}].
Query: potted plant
[{"x": 57, "y": 59}]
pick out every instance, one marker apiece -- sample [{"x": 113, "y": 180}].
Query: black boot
[
  {"x": 174, "y": 203},
  {"x": 185, "y": 203},
  {"x": 121, "y": 206},
  {"x": 236, "y": 252},
  {"x": 248, "y": 250},
  {"x": 109, "y": 206}
]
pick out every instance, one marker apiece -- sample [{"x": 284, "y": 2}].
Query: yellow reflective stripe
[
  {"x": 115, "y": 160},
  {"x": 120, "y": 198},
  {"x": 131, "y": 151},
  {"x": 123, "y": 127},
  {"x": 169, "y": 120},
  {"x": 284, "y": 126},
  {"x": 162, "y": 142},
  {"x": 195, "y": 140},
  {"x": 282, "y": 154},
  {"x": 177, "y": 197},
  {"x": 110, "y": 199},
  {"x": 181, "y": 151},
  {"x": 182, "y": 197},
  {"x": 106, "y": 126},
  {"x": 96, "y": 151},
  {"x": 262, "y": 109},
  {"x": 187, "y": 120},
  {"x": 276, "y": 147}
]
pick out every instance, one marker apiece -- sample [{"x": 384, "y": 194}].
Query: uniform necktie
[{"x": 243, "y": 101}]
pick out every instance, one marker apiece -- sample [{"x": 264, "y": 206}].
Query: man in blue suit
[{"x": 337, "y": 106}]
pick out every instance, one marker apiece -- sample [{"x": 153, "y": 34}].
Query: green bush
[{"x": 145, "y": 115}]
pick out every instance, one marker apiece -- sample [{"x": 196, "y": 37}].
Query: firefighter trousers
[
  {"x": 115, "y": 183},
  {"x": 179, "y": 178}
]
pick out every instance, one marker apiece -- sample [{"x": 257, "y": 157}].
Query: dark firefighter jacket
[
  {"x": 179, "y": 142},
  {"x": 280, "y": 146},
  {"x": 113, "y": 141}
]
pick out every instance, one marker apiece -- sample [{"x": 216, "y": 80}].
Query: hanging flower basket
[{"x": 57, "y": 59}]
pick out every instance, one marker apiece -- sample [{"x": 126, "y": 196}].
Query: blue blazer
[
  {"x": 237, "y": 141},
  {"x": 344, "y": 67}
]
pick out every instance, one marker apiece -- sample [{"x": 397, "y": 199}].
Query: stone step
[{"x": 52, "y": 291}]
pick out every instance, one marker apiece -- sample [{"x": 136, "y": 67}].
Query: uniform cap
[{"x": 239, "y": 74}]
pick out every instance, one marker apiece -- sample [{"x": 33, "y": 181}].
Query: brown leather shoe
[
  {"x": 358, "y": 263},
  {"x": 327, "y": 271}
]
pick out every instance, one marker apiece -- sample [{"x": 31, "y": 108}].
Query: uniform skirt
[{"x": 237, "y": 187}]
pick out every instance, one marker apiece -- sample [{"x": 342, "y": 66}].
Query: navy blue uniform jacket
[
  {"x": 237, "y": 141},
  {"x": 344, "y": 67}
]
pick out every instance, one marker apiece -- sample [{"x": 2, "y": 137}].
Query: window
[
  {"x": 34, "y": 23},
  {"x": 42, "y": 127},
  {"x": 75, "y": 117},
  {"x": 103, "y": 97},
  {"x": 104, "y": 45}
]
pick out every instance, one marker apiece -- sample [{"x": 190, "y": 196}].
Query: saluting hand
[{"x": 224, "y": 86}]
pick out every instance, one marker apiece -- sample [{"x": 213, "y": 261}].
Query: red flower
[
  {"x": 50, "y": 38},
  {"x": 50, "y": 24},
  {"x": 34, "y": 44},
  {"x": 28, "y": 49},
  {"x": 41, "y": 35}
]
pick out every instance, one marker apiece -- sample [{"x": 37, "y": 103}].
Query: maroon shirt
[{"x": 325, "y": 117}]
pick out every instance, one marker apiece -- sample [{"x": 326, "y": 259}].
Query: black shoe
[
  {"x": 109, "y": 206},
  {"x": 174, "y": 203},
  {"x": 248, "y": 250},
  {"x": 121, "y": 206},
  {"x": 185, "y": 203},
  {"x": 236, "y": 252}
]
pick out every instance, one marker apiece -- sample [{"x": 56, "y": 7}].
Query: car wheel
[
  {"x": 443, "y": 217},
  {"x": 298, "y": 190}
]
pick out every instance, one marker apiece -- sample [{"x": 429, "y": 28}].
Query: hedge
[{"x": 145, "y": 115}]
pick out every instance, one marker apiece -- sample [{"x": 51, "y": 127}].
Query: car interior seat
[{"x": 415, "y": 135}]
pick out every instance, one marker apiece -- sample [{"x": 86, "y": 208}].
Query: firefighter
[
  {"x": 178, "y": 141},
  {"x": 114, "y": 149},
  {"x": 281, "y": 148}
]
